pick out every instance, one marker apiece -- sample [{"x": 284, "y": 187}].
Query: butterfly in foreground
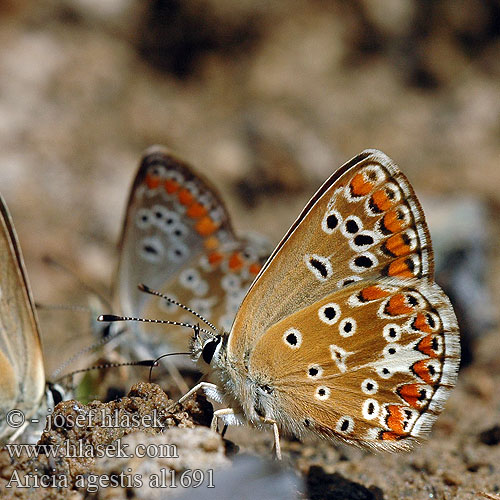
[
  {"x": 343, "y": 333},
  {"x": 22, "y": 375},
  {"x": 178, "y": 238}
]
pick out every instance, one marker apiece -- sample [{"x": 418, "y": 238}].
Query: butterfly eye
[{"x": 209, "y": 349}]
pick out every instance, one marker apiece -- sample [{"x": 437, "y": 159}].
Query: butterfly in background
[
  {"x": 343, "y": 333},
  {"x": 178, "y": 238},
  {"x": 23, "y": 386}
]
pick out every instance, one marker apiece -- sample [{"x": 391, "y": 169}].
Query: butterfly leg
[
  {"x": 211, "y": 390},
  {"x": 227, "y": 416},
  {"x": 277, "y": 446}
]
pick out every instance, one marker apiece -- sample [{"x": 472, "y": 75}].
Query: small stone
[
  {"x": 451, "y": 478},
  {"x": 490, "y": 437}
]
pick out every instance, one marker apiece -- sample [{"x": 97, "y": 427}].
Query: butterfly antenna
[
  {"x": 155, "y": 362},
  {"x": 52, "y": 262},
  {"x": 85, "y": 350},
  {"x": 143, "y": 288},
  {"x": 146, "y": 362},
  {"x": 108, "y": 318}
]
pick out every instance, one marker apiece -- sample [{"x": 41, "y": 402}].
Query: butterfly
[
  {"x": 22, "y": 382},
  {"x": 178, "y": 238},
  {"x": 343, "y": 333}
]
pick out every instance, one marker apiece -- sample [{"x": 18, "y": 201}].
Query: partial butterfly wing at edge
[{"x": 21, "y": 360}]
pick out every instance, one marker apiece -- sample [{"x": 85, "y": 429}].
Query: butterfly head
[
  {"x": 206, "y": 349},
  {"x": 55, "y": 393}
]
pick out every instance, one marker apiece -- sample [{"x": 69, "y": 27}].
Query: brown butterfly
[
  {"x": 344, "y": 332},
  {"x": 178, "y": 238}
]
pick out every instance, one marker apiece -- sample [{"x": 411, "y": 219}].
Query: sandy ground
[{"x": 266, "y": 101}]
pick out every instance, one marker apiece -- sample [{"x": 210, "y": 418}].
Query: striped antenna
[
  {"x": 108, "y": 318},
  {"x": 143, "y": 288}
]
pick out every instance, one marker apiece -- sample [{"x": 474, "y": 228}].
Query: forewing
[
  {"x": 177, "y": 238},
  {"x": 21, "y": 360},
  {"x": 364, "y": 223},
  {"x": 371, "y": 364}
]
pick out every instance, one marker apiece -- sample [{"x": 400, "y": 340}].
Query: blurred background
[{"x": 266, "y": 99}]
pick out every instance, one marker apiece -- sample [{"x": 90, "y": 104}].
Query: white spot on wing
[
  {"x": 329, "y": 313},
  {"x": 292, "y": 338},
  {"x": 339, "y": 355},
  {"x": 319, "y": 266},
  {"x": 347, "y": 327}
]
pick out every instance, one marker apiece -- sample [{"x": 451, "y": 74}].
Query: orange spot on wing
[
  {"x": 397, "y": 246},
  {"x": 206, "y": 226},
  {"x": 235, "y": 262},
  {"x": 196, "y": 210},
  {"x": 426, "y": 346},
  {"x": 171, "y": 186},
  {"x": 185, "y": 197},
  {"x": 152, "y": 181},
  {"x": 392, "y": 222},
  {"x": 421, "y": 323},
  {"x": 397, "y": 305},
  {"x": 211, "y": 243},
  {"x": 421, "y": 368},
  {"x": 359, "y": 187},
  {"x": 400, "y": 268},
  {"x": 389, "y": 436},
  {"x": 396, "y": 419},
  {"x": 373, "y": 293},
  {"x": 215, "y": 258},
  {"x": 255, "y": 268},
  {"x": 381, "y": 200},
  {"x": 411, "y": 393}
]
